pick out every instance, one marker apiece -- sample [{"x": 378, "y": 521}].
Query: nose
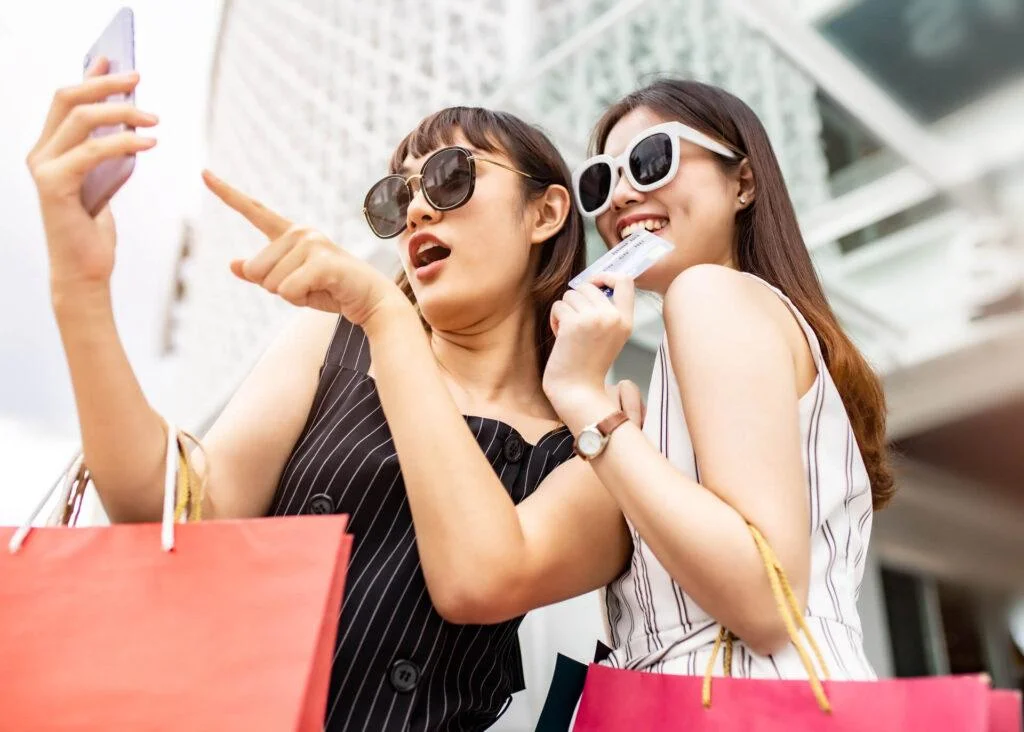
[
  {"x": 625, "y": 194},
  {"x": 420, "y": 211}
]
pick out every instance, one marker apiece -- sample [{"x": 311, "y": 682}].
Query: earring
[{"x": 743, "y": 200}]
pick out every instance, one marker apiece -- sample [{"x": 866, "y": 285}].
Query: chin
[
  {"x": 444, "y": 308},
  {"x": 431, "y": 303}
]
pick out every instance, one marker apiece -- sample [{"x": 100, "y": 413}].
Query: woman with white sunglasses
[{"x": 761, "y": 411}]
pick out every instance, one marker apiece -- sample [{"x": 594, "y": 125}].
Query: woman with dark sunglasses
[
  {"x": 461, "y": 523},
  {"x": 784, "y": 424}
]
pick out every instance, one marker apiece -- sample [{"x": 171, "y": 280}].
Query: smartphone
[{"x": 117, "y": 44}]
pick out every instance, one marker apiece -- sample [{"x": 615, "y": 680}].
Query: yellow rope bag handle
[{"x": 789, "y": 608}]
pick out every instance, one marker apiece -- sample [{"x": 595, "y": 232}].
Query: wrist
[
  {"x": 70, "y": 298},
  {"x": 581, "y": 405},
  {"x": 393, "y": 312}
]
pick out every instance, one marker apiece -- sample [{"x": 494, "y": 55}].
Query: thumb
[{"x": 623, "y": 290}]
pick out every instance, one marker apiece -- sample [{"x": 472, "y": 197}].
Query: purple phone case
[{"x": 117, "y": 44}]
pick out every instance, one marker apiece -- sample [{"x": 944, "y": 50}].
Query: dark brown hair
[
  {"x": 769, "y": 245},
  {"x": 528, "y": 149}
]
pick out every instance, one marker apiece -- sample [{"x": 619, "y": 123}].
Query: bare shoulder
[
  {"x": 712, "y": 297},
  {"x": 314, "y": 327},
  {"x": 247, "y": 451},
  {"x": 717, "y": 315},
  {"x": 306, "y": 337},
  {"x": 283, "y": 380}
]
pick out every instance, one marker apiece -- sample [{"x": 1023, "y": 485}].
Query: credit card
[{"x": 631, "y": 257}]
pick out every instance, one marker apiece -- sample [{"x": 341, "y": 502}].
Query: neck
[{"x": 496, "y": 361}]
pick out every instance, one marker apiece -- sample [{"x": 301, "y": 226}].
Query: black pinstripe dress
[{"x": 398, "y": 665}]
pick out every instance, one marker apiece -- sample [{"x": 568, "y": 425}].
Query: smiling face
[{"x": 695, "y": 211}]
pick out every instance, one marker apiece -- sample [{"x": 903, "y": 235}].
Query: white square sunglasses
[{"x": 650, "y": 160}]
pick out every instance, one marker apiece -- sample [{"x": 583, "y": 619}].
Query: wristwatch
[{"x": 594, "y": 437}]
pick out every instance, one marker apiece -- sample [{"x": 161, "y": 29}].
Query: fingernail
[{"x": 150, "y": 117}]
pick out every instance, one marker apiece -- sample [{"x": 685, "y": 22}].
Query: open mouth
[
  {"x": 652, "y": 224},
  {"x": 429, "y": 252}
]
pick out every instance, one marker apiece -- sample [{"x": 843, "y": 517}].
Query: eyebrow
[{"x": 405, "y": 171}]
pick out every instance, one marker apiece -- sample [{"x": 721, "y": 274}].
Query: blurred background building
[{"x": 898, "y": 124}]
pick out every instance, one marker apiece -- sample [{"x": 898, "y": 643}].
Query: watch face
[{"x": 589, "y": 442}]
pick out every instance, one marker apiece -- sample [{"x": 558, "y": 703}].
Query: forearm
[
  {"x": 702, "y": 542},
  {"x": 467, "y": 529},
  {"x": 123, "y": 438}
]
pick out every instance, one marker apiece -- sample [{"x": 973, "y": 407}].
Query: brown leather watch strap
[{"x": 612, "y": 422}]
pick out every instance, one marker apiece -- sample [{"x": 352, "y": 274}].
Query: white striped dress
[{"x": 655, "y": 626}]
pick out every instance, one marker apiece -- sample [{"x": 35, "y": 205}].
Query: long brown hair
[
  {"x": 562, "y": 256},
  {"x": 769, "y": 245}
]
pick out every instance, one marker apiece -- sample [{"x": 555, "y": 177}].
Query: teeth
[
  {"x": 648, "y": 224},
  {"x": 424, "y": 256}
]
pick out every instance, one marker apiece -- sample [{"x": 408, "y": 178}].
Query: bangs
[{"x": 484, "y": 129}]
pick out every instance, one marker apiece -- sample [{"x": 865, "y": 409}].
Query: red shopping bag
[
  {"x": 1004, "y": 711},
  {"x": 615, "y": 699},
  {"x": 233, "y": 629}
]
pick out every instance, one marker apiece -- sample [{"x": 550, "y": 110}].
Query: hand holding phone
[{"x": 84, "y": 153}]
